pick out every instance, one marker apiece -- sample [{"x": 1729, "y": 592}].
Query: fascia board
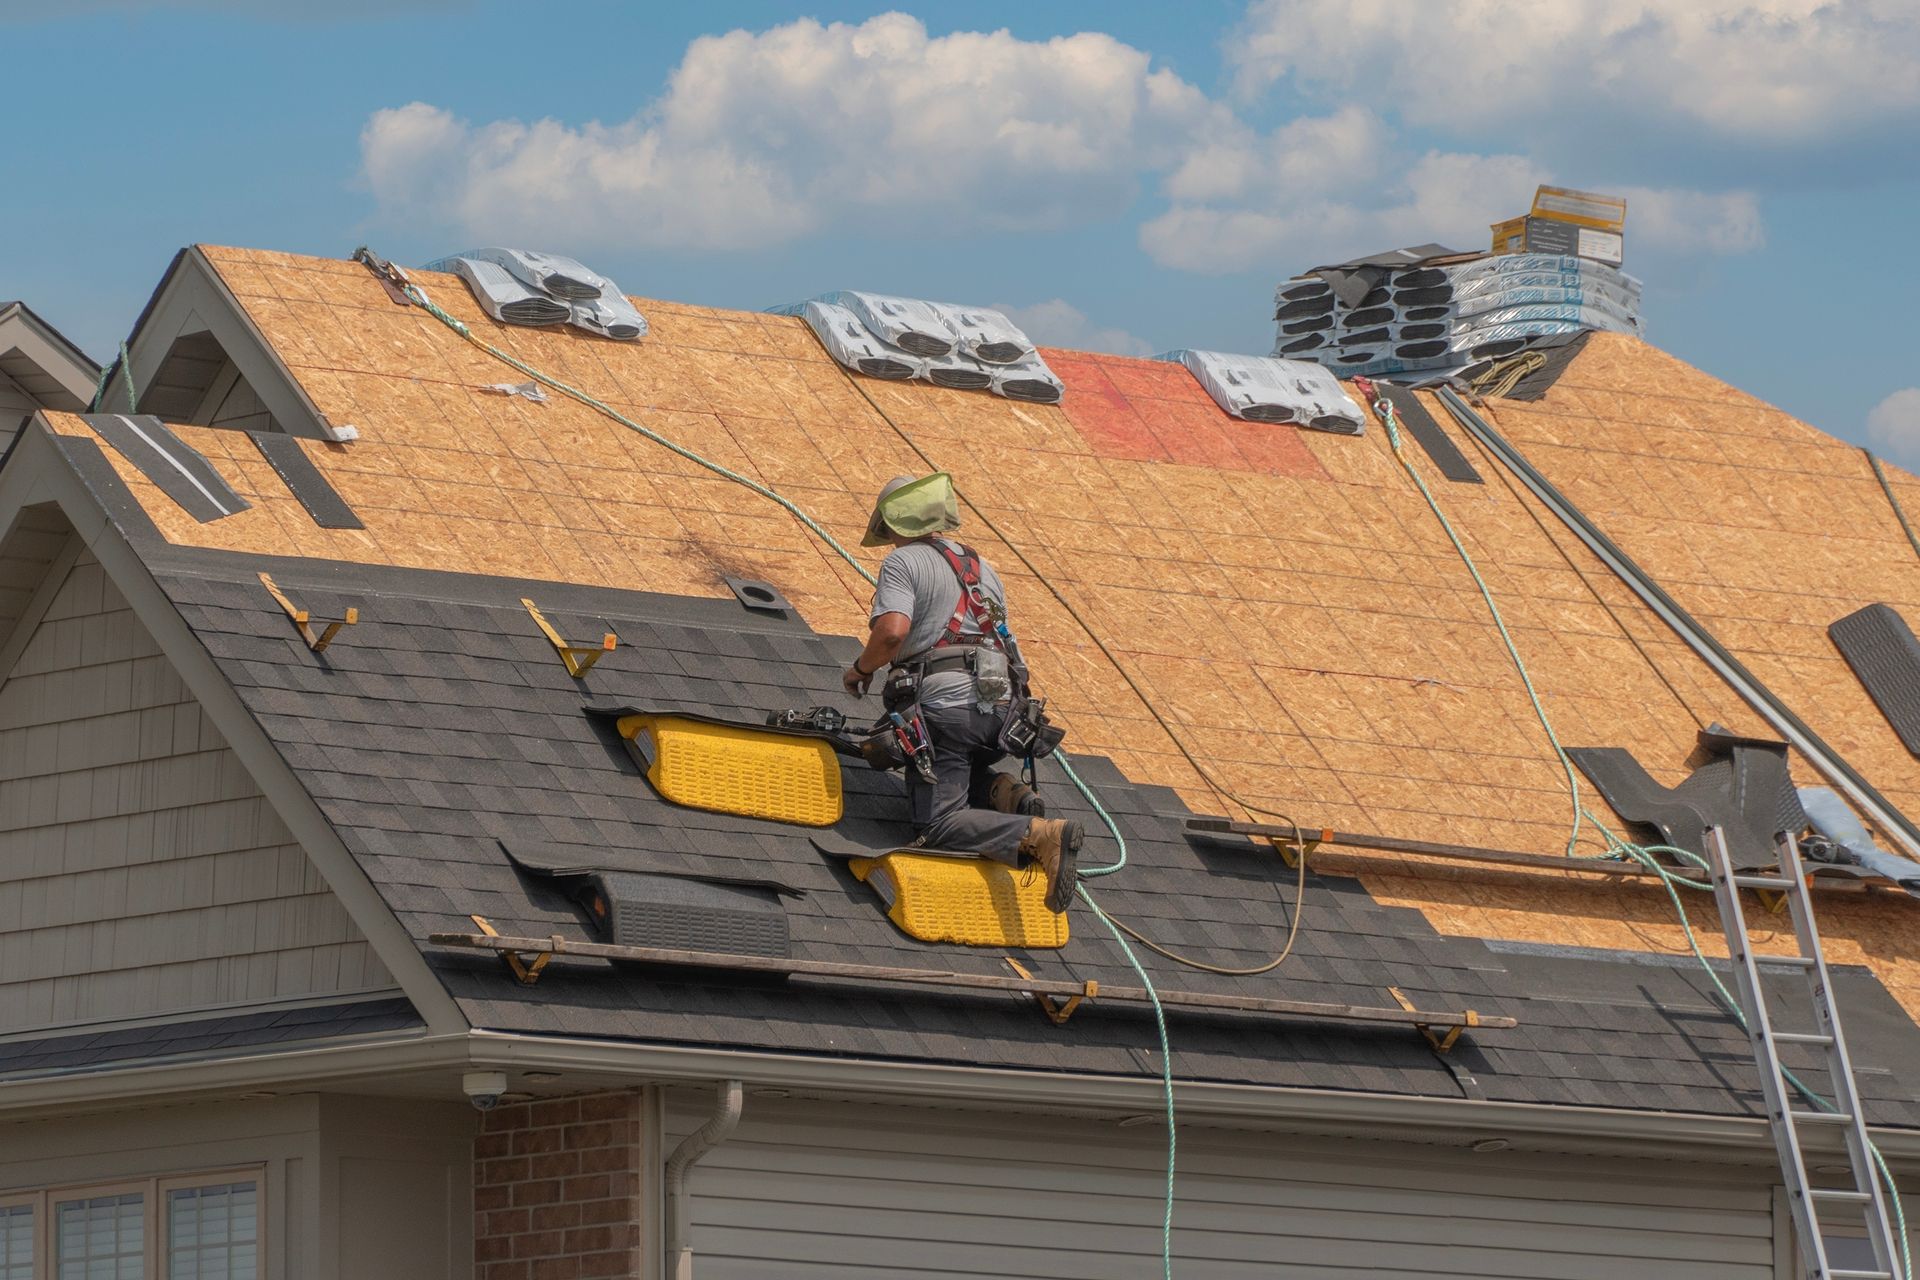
[
  {"x": 192, "y": 298},
  {"x": 37, "y": 472},
  {"x": 612, "y": 1064}
]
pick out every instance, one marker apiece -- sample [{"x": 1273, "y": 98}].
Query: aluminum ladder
[{"x": 1865, "y": 1194}]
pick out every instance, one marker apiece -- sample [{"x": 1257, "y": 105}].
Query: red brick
[
  {"x": 576, "y": 1137},
  {"x": 619, "y": 1262},
  {"x": 488, "y": 1248},
  {"x": 592, "y": 1186},
  {"x": 565, "y": 1267},
  {"x": 555, "y": 1164},
  {"x": 539, "y": 1244},
  {"x": 556, "y": 1111},
  {"x": 505, "y": 1119},
  {"x": 589, "y": 1240},
  {"x": 494, "y": 1172},
  {"x": 529, "y": 1142},
  {"x": 491, "y": 1146},
  {"x": 508, "y": 1271},
  {"x": 498, "y": 1196},
  {"x": 605, "y": 1159},
  {"x": 608, "y": 1106},
  {"x": 504, "y": 1222},
  {"x": 531, "y": 1193},
  {"x": 553, "y": 1217},
  {"x": 606, "y": 1211}
]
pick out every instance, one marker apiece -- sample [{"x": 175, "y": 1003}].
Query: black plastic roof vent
[{"x": 762, "y": 597}]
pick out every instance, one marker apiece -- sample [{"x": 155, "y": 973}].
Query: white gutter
[
  {"x": 1644, "y": 1133},
  {"x": 718, "y": 1128}
]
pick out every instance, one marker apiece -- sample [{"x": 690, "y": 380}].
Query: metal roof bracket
[
  {"x": 579, "y": 659},
  {"x": 1057, "y": 1013},
  {"x": 303, "y": 621}
]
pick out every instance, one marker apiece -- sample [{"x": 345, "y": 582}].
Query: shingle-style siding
[
  {"x": 142, "y": 872},
  {"x": 242, "y": 410},
  {"x": 557, "y": 1189}
]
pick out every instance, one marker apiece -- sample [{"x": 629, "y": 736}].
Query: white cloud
[
  {"x": 767, "y": 137},
  {"x": 1760, "y": 71},
  {"x": 1693, "y": 221},
  {"x": 1893, "y": 427},
  {"x": 1058, "y": 323}
]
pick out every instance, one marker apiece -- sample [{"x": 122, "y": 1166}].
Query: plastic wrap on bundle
[
  {"x": 910, "y": 324},
  {"x": 1272, "y": 389}
]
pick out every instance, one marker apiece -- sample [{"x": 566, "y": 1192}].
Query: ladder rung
[
  {"x": 1772, "y": 884},
  {"x": 1802, "y": 1037},
  {"x": 1840, "y": 1194},
  {"x": 1784, "y": 962},
  {"x": 1820, "y": 1117}
]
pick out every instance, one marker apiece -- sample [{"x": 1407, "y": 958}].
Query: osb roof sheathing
[{"x": 1284, "y": 597}]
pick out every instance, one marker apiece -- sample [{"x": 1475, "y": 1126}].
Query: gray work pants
[{"x": 952, "y": 813}]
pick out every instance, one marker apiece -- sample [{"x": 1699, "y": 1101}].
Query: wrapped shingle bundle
[
  {"x": 525, "y": 287},
  {"x": 1269, "y": 389},
  {"x": 961, "y": 348},
  {"x": 1434, "y": 311}
]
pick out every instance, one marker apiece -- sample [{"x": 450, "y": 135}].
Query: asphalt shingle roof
[{"x": 443, "y": 724}]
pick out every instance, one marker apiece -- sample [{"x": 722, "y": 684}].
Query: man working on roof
[{"x": 938, "y": 618}]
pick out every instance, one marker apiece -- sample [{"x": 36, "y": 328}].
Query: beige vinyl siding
[
  {"x": 810, "y": 1190},
  {"x": 141, "y": 870}
]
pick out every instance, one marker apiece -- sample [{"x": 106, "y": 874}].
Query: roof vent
[
  {"x": 760, "y": 596},
  {"x": 672, "y": 913}
]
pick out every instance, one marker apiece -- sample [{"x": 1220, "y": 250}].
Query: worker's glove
[{"x": 856, "y": 681}]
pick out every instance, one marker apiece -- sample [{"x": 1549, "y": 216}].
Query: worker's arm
[{"x": 883, "y": 646}]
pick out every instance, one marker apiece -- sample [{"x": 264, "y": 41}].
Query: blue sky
[{"x": 1133, "y": 177}]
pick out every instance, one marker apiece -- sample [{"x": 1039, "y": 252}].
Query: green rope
[
  {"x": 460, "y": 327},
  {"x": 1886, "y": 487},
  {"x": 1617, "y": 848},
  {"x": 1384, "y": 408},
  {"x": 124, "y": 367}
]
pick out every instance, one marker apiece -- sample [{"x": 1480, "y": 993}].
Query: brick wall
[{"x": 556, "y": 1190}]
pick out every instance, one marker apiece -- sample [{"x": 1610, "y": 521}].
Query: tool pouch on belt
[
  {"x": 901, "y": 691},
  {"x": 1026, "y": 732},
  {"x": 881, "y": 749}
]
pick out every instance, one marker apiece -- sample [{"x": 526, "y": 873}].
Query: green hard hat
[{"x": 913, "y": 506}]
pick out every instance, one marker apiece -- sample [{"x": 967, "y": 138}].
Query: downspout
[{"x": 718, "y": 1128}]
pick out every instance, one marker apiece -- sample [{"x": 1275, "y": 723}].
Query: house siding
[
  {"x": 815, "y": 1189},
  {"x": 142, "y": 872}
]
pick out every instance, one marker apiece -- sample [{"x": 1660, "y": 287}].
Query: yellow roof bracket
[
  {"x": 1057, "y": 1012},
  {"x": 579, "y": 659},
  {"x": 1294, "y": 852},
  {"x": 303, "y": 621},
  {"x": 1443, "y": 1039},
  {"x": 525, "y": 970}
]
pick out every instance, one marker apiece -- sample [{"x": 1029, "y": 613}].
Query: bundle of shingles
[
  {"x": 965, "y": 348},
  {"x": 1433, "y": 310},
  {"x": 527, "y": 287}
]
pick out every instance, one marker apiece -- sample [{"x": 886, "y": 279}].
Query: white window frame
[{"x": 156, "y": 1248}]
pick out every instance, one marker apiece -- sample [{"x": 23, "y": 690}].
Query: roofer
[{"x": 939, "y": 619}]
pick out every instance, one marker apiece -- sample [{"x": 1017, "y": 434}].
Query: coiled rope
[{"x": 419, "y": 297}]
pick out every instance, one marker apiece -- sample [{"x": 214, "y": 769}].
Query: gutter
[
  {"x": 606, "y": 1063},
  {"x": 1830, "y": 763}
]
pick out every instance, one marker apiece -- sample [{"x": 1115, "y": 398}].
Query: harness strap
[{"x": 973, "y": 604}]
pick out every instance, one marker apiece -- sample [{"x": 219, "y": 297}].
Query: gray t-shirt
[{"x": 917, "y": 580}]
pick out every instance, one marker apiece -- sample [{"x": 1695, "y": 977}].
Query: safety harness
[{"x": 973, "y": 604}]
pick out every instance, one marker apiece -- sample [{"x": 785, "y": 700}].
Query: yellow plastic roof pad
[
  {"x": 974, "y": 901},
  {"x": 730, "y": 769}
]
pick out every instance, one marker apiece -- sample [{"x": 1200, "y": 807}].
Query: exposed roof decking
[{"x": 1286, "y": 598}]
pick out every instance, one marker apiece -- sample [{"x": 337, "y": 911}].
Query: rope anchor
[{"x": 303, "y": 621}]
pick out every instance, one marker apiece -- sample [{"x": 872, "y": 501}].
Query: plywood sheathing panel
[{"x": 1285, "y": 598}]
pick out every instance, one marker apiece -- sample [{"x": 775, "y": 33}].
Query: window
[
  {"x": 213, "y": 1232},
  {"x": 203, "y": 1227}
]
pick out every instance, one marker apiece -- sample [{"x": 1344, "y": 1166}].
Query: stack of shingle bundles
[
  {"x": 527, "y": 287},
  {"x": 1436, "y": 311},
  {"x": 965, "y": 348}
]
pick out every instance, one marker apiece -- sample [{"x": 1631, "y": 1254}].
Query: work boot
[
  {"x": 1007, "y": 794},
  {"x": 1054, "y": 845}
]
